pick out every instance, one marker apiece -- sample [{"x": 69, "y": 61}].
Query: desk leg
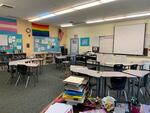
[
  {"x": 138, "y": 90},
  {"x": 97, "y": 87},
  {"x": 104, "y": 87}
]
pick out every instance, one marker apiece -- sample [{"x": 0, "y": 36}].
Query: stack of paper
[{"x": 60, "y": 108}]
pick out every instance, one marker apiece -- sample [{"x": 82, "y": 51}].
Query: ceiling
[{"x": 30, "y": 8}]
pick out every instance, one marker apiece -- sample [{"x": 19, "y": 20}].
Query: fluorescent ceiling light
[
  {"x": 106, "y": 1},
  {"x": 1, "y": 5},
  {"x": 42, "y": 17},
  {"x": 66, "y": 25},
  {"x": 120, "y": 17},
  {"x": 138, "y": 15},
  {"x": 87, "y": 5},
  {"x": 72, "y": 9},
  {"x": 95, "y": 21},
  {"x": 64, "y": 11},
  {"x": 115, "y": 18}
]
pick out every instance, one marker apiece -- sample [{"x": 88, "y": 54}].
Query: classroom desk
[
  {"x": 40, "y": 60},
  {"x": 32, "y": 67},
  {"x": 33, "y": 70},
  {"x": 128, "y": 64},
  {"x": 139, "y": 74},
  {"x": 16, "y": 62},
  {"x": 110, "y": 74},
  {"x": 98, "y": 75}
]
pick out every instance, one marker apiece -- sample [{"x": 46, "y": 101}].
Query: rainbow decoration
[
  {"x": 40, "y": 30},
  {"x": 8, "y": 25}
]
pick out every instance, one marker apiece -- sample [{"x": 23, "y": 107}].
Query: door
[{"x": 74, "y": 46}]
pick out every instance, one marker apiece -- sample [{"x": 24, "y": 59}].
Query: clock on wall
[{"x": 28, "y": 30}]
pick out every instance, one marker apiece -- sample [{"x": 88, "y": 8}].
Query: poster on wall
[
  {"x": 46, "y": 44},
  {"x": 85, "y": 41}
]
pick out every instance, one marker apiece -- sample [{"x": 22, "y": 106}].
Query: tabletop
[{"x": 138, "y": 73}]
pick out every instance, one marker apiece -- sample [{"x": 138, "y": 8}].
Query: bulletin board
[
  {"x": 14, "y": 43},
  {"x": 46, "y": 44}
]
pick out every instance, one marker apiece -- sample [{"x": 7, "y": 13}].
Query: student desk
[
  {"x": 98, "y": 75},
  {"x": 139, "y": 74},
  {"x": 25, "y": 61},
  {"x": 110, "y": 74},
  {"x": 111, "y": 64},
  {"x": 32, "y": 67}
]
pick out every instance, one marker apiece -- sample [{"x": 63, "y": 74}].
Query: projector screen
[{"x": 129, "y": 39}]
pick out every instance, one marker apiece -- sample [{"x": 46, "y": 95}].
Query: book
[{"x": 74, "y": 80}]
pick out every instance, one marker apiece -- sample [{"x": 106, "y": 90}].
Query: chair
[
  {"x": 130, "y": 82},
  {"x": 118, "y": 83},
  {"x": 118, "y": 67},
  {"x": 143, "y": 85},
  {"x": 12, "y": 71},
  {"x": 134, "y": 66},
  {"x": 22, "y": 71}
]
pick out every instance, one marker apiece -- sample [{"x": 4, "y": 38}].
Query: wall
[
  {"x": 21, "y": 29},
  {"x": 101, "y": 29}
]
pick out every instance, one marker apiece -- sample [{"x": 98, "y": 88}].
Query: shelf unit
[{"x": 48, "y": 57}]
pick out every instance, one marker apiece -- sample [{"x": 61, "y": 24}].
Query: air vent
[{"x": 6, "y": 6}]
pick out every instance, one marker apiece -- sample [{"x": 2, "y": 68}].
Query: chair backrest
[
  {"x": 134, "y": 67},
  {"x": 118, "y": 83},
  {"x": 22, "y": 69},
  {"x": 145, "y": 80},
  {"x": 118, "y": 67}
]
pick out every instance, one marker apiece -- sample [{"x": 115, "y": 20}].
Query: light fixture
[
  {"x": 1, "y": 5},
  {"x": 138, "y": 15},
  {"x": 95, "y": 21},
  {"x": 64, "y": 11},
  {"x": 114, "y": 18},
  {"x": 88, "y": 5},
  {"x": 42, "y": 17},
  {"x": 135, "y": 15},
  {"x": 72, "y": 9},
  {"x": 66, "y": 25},
  {"x": 106, "y": 1}
]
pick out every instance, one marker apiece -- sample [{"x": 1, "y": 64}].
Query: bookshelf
[{"x": 48, "y": 57}]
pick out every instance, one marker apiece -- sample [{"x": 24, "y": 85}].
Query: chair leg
[
  {"x": 147, "y": 92},
  {"x": 108, "y": 93},
  {"x": 17, "y": 80},
  {"x": 125, "y": 94},
  {"x": 142, "y": 94},
  {"x": 27, "y": 81}
]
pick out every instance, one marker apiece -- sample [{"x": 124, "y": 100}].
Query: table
[
  {"x": 127, "y": 64},
  {"x": 139, "y": 74},
  {"x": 16, "y": 62},
  {"x": 109, "y": 74},
  {"x": 98, "y": 75},
  {"x": 33, "y": 68},
  {"x": 40, "y": 60}
]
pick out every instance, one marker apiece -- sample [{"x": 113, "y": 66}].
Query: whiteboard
[
  {"x": 129, "y": 39},
  {"x": 3, "y": 40},
  {"x": 95, "y": 41},
  {"x": 106, "y": 44}
]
